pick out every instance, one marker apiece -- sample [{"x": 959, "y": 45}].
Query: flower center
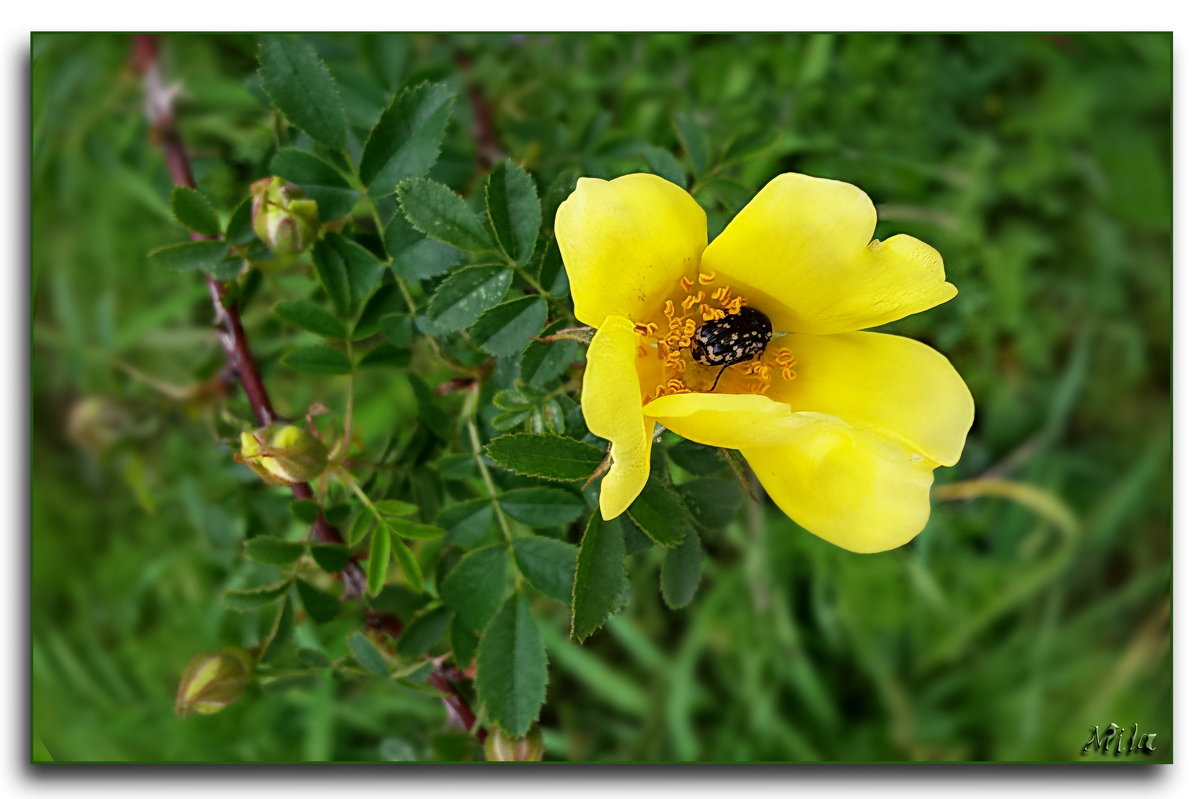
[{"x": 696, "y": 343}]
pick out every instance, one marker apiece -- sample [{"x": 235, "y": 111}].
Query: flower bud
[
  {"x": 283, "y": 217},
  {"x": 97, "y": 423},
  {"x": 501, "y": 748},
  {"x": 213, "y": 681},
  {"x": 284, "y": 453}
]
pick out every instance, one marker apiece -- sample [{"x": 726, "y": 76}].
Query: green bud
[
  {"x": 213, "y": 681},
  {"x": 97, "y": 423},
  {"x": 284, "y": 453},
  {"x": 501, "y": 748},
  {"x": 283, "y": 217}
]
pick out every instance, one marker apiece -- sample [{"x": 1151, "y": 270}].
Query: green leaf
[
  {"x": 330, "y": 557},
  {"x": 408, "y": 562},
  {"x": 714, "y": 503},
  {"x": 381, "y": 558},
  {"x": 385, "y": 355},
  {"x": 463, "y": 642},
  {"x": 363, "y": 269},
  {"x": 194, "y": 212},
  {"x": 301, "y": 87},
  {"x": 190, "y": 256},
  {"x": 305, "y": 510},
  {"x": 239, "y": 229},
  {"x": 331, "y": 268},
  {"x": 508, "y": 328},
  {"x": 320, "y": 606},
  {"x": 697, "y": 458},
  {"x": 665, "y": 165},
  {"x": 441, "y": 214},
  {"x": 548, "y": 564},
  {"x": 542, "y": 506},
  {"x": 416, "y": 257},
  {"x": 320, "y": 180},
  {"x": 246, "y": 599},
  {"x": 311, "y": 317},
  {"x": 318, "y": 361},
  {"x": 403, "y": 528},
  {"x": 465, "y": 295},
  {"x": 362, "y": 525},
  {"x": 548, "y": 456},
  {"x": 396, "y": 508},
  {"x": 659, "y": 512},
  {"x": 513, "y": 209},
  {"x": 466, "y": 522},
  {"x": 397, "y": 330},
  {"x": 512, "y": 671},
  {"x": 367, "y": 654},
  {"x": 544, "y": 361},
  {"x": 423, "y": 632},
  {"x": 274, "y": 551},
  {"x": 280, "y": 637},
  {"x": 680, "y": 575},
  {"x": 599, "y": 576},
  {"x": 476, "y": 586},
  {"x": 408, "y": 137},
  {"x": 691, "y": 135}
]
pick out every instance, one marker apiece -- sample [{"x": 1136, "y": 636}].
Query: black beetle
[{"x": 733, "y": 339}]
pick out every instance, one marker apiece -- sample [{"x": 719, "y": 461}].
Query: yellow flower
[{"x": 843, "y": 428}]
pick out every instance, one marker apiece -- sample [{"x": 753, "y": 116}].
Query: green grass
[{"x": 1039, "y": 166}]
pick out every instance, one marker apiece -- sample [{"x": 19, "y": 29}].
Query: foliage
[{"x": 715, "y": 629}]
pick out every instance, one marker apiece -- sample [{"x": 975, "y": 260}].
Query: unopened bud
[
  {"x": 501, "y": 748},
  {"x": 284, "y": 218},
  {"x": 97, "y": 423},
  {"x": 284, "y": 453},
  {"x": 213, "y": 681}
]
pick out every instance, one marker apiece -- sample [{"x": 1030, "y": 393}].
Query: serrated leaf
[
  {"x": 545, "y": 455},
  {"x": 318, "y": 361},
  {"x": 389, "y": 508},
  {"x": 280, "y": 636},
  {"x": 635, "y": 540},
  {"x": 513, "y": 210},
  {"x": 542, "y": 506},
  {"x": 659, "y": 512},
  {"x": 331, "y": 269},
  {"x": 301, "y": 87},
  {"x": 274, "y": 551},
  {"x": 423, "y": 632},
  {"x": 379, "y": 561},
  {"x": 439, "y": 213},
  {"x": 476, "y": 586},
  {"x": 680, "y": 574},
  {"x": 320, "y": 606},
  {"x": 548, "y": 564},
  {"x": 190, "y": 256},
  {"x": 330, "y": 557},
  {"x": 599, "y": 577},
  {"x": 193, "y": 210},
  {"x": 665, "y": 165},
  {"x": 416, "y": 257},
  {"x": 367, "y": 654},
  {"x": 465, "y": 522},
  {"x": 465, "y": 295},
  {"x": 363, "y": 269},
  {"x": 247, "y": 599},
  {"x": 408, "y": 137},
  {"x": 512, "y": 671},
  {"x": 463, "y": 642},
  {"x": 239, "y": 230},
  {"x": 695, "y": 144},
  {"x": 311, "y": 317},
  {"x": 508, "y": 328},
  {"x": 319, "y": 179}
]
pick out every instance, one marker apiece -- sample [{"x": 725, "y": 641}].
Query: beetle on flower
[{"x": 754, "y": 343}]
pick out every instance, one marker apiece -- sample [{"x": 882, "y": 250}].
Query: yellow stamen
[
  {"x": 686, "y": 284},
  {"x": 707, "y": 277}
]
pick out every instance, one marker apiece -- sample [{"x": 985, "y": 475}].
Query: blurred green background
[{"x": 1039, "y": 165}]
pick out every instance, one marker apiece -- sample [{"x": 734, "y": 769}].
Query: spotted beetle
[{"x": 734, "y": 339}]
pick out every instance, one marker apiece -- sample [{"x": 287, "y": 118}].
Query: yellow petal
[
  {"x": 612, "y": 407},
  {"x": 735, "y": 421},
  {"x": 891, "y": 385},
  {"x": 853, "y": 488},
  {"x": 626, "y": 242},
  {"x": 801, "y": 252}
]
